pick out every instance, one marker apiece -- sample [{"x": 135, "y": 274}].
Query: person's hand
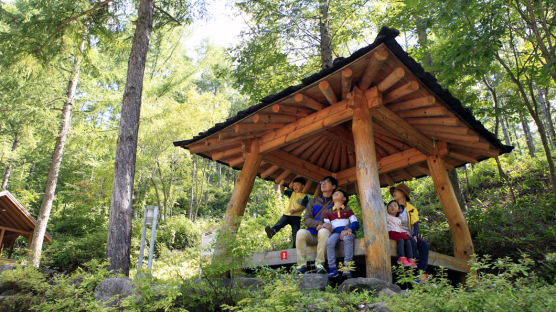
[
  {"x": 346, "y": 232},
  {"x": 327, "y": 226},
  {"x": 415, "y": 238},
  {"x": 319, "y": 227}
]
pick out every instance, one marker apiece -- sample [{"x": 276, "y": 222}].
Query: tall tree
[
  {"x": 119, "y": 227},
  {"x": 52, "y": 178}
]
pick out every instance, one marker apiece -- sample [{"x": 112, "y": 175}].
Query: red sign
[{"x": 284, "y": 255}]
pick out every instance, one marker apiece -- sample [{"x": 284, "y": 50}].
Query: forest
[{"x": 94, "y": 93}]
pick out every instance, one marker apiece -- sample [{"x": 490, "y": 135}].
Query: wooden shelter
[
  {"x": 15, "y": 221},
  {"x": 373, "y": 119}
]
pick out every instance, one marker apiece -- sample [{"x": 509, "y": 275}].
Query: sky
[{"x": 221, "y": 26}]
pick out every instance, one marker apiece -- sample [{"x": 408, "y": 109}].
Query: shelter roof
[
  {"x": 306, "y": 129},
  {"x": 15, "y": 219}
]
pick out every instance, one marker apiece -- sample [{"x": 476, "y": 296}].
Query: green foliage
[
  {"x": 510, "y": 287},
  {"x": 73, "y": 292},
  {"x": 281, "y": 293}
]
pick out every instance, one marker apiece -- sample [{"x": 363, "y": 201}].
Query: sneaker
[
  {"x": 269, "y": 231},
  {"x": 320, "y": 269},
  {"x": 302, "y": 268},
  {"x": 412, "y": 263},
  {"x": 333, "y": 273},
  {"x": 347, "y": 274},
  {"x": 403, "y": 261}
]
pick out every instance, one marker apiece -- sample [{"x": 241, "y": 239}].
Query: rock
[
  {"x": 6, "y": 267},
  {"x": 378, "y": 307},
  {"x": 386, "y": 292},
  {"x": 248, "y": 282},
  {"x": 9, "y": 292},
  {"x": 107, "y": 290},
  {"x": 313, "y": 281},
  {"x": 371, "y": 283}
]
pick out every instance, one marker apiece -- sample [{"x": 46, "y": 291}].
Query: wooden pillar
[
  {"x": 2, "y": 232},
  {"x": 463, "y": 245},
  {"x": 377, "y": 244},
  {"x": 243, "y": 185}
]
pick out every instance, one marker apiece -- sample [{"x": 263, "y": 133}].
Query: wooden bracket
[
  {"x": 441, "y": 149},
  {"x": 374, "y": 97}
]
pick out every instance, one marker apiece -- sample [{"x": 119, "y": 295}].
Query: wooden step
[{"x": 288, "y": 256}]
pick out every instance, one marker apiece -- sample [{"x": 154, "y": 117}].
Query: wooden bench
[{"x": 289, "y": 256}]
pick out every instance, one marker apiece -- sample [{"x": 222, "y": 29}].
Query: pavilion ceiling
[{"x": 306, "y": 131}]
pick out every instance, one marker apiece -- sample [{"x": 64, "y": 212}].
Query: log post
[
  {"x": 463, "y": 245},
  {"x": 377, "y": 245},
  {"x": 243, "y": 186}
]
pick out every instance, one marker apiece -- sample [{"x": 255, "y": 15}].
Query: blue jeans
[
  {"x": 331, "y": 249},
  {"x": 404, "y": 248},
  {"x": 293, "y": 221},
  {"x": 421, "y": 248}
]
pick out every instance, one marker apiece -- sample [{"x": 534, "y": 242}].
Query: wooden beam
[
  {"x": 401, "y": 128},
  {"x": 227, "y": 153},
  {"x": 269, "y": 171},
  {"x": 346, "y": 82},
  {"x": 431, "y": 111},
  {"x": 328, "y": 92},
  {"x": 296, "y": 165},
  {"x": 313, "y": 148},
  {"x": 402, "y": 91},
  {"x": 326, "y": 153},
  {"x": 463, "y": 245},
  {"x": 310, "y": 142},
  {"x": 290, "y": 110},
  {"x": 377, "y": 245},
  {"x": 439, "y": 121},
  {"x": 319, "y": 151},
  {"x": 376, "y": 61},
  {"x": 396, "y": 75},
  {"x": 452, "y": 137},
  {"x": 444, "y": 129},
  {"x": 337, "y": 156},
  {"x": 235, "y": 161},
  {"x": 307, "y": 186},
  {"x": 273, "y": 118},
  {"x": 243, "y": 187},
  {"x": 252, "y": 127},
  {"x": 307, "y": 126},
  {"x": 343, "y": 158},
  {"x": 388, "y": 179},
  {"x": 282, "y": 176},
  {"x": 386, "y": 164},
  {"x": 308, "y": 101},
  {"x": 273, "y": 258},
  {"x": 412, "y": 104},
  {"x": 22, "y": 232},
  {"x": 328, "y": 163},
  {"x": 202, "y": 148},
  {"x": 478, "y": 148}
]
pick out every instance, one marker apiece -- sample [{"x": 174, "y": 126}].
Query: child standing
[
  {"x": 343, "y": 223},
  {"x": 397, "y": 233},
  {"x": 292, "y": 215}
]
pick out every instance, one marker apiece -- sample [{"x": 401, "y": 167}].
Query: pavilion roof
[
  {"x": 15, "y": 219},
  {"x": 306, "y": 129}
]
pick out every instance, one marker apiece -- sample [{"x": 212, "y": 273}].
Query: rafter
[{"x": 296, "y": 165}]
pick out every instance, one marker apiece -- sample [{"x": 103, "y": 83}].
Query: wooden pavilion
[
  {"x": 15, "y": 221},
  {"x": 373, "y": 119}
]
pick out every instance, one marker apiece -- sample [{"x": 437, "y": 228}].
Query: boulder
[
  {"x": 111, "y": 290},
  {"x": 371, "y": 283},
  {"x": 312, "y": 281},
  {"x": 378, "y": 307},
  {"x": 6, "y": 267}
]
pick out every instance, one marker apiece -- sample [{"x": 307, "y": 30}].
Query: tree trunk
[
  {"x": 453, "y": 176},
  {"x": 512, "y": 126},
  {"x": 119, "y": 227},
  {"x": 548, "y": 119},
  {"x": 219, "y": 169},
  {"x": 193, "y": 185},
  {"x": 325, "y": 40},
  {"x": 52, "y": 179},
  {"x": 8, "y": 171},
  {"x": 528, "y": 136},
  {"x": 505, "y": 131}
]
